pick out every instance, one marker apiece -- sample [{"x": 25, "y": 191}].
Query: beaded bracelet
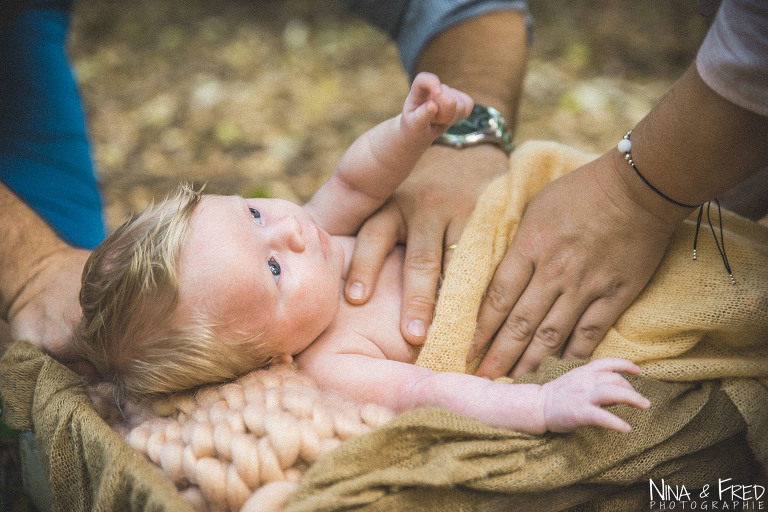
[{"x": 625, "y": 146}]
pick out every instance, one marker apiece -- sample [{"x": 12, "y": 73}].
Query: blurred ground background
[{"x": 262, "y": 97}]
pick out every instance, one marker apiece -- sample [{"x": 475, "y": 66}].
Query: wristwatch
[{"x": 484, "y": 125}]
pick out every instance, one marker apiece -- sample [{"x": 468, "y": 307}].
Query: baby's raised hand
[
  {"x": 434, "y": 106},
  {"x": 576, "y": 399}
]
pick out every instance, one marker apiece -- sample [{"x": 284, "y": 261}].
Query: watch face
[
  {"x": 477, "y": 121},
  {"x": 484, "y": 125}
]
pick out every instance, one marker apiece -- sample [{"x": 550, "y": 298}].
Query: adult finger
[
  {"x": 593, "y": 325},
  {"x": 452, "y": 235},
  {"x": 516, "y": 333},
  {"x": 550, "y": 335},
  {"x": 448, "y": 254},
  {"x": 48, "y": 309},
  {"x": 375, "y": 239},
  {"x": 509, "y": 281},
  {"x": 421, "y": 272},
  {"x": 581, "y": 326}
]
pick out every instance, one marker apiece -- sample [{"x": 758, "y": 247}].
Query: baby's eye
[
  {"x": 275, "y": 268},
  {"x": 255, "y": 214}
]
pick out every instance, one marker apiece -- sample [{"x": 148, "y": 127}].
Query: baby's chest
[{"x": 378, "y": 320}]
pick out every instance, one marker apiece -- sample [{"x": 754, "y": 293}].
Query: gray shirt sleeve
[
  {"x": 733, "y": 59},
  {"x": 413, "y": 23}
]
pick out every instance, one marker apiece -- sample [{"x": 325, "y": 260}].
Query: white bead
[{"x": 625, "y": 145}]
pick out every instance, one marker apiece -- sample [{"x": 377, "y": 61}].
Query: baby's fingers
[
  {"x": 614, "y": 364},
  {"x": 425, "y": 88},
  {"x": 446, "y": 110},
  {"x": 426, "y": 114},
  {"x": 619, "y": 393},
  {"x": 605, "y": 419},
  {"x": 453, "y": 105},
  {"x": 462, "y": 101}
]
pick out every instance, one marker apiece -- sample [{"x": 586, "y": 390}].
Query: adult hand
[
  {"x": 427, "y": 212},
  {"x": 46, "y": 310},
  {"x": 430, "y": 208},
  {"x": 583, "y": 251}
]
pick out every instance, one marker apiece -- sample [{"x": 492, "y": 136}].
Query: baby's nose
[{"x": 291, "y": 234}]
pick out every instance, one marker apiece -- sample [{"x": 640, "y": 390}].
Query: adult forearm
[
  {"x": 484, "y": 57},
  {"x": 693, "y": 146},
  {"x": 28, "y": 243}
]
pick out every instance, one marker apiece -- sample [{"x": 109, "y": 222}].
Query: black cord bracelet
[{"x": 625, "y": 146}]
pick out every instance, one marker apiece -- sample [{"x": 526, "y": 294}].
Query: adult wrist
[
  {"x": 483, "y": 162},
  {"x": 483, "y": 56},
  {"x": 625, "y": 146},
  {"x": 21, "y": 286},
  {"x": 627, "y": 189}
]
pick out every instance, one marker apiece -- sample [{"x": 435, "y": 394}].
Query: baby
[{"x": 201, "y": 289}]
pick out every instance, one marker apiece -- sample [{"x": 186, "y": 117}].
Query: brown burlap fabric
[
  {"x": 433, "y": 460},
  {"x": 424, "y": 460},
  {"x": 90, "y": 468}
]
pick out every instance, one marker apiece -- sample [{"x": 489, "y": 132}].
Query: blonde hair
[{"x": 129, "y": 294}]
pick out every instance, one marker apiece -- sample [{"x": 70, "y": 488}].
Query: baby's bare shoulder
[{"x": 341, "y": 338}]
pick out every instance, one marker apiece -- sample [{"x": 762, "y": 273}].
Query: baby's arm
[
  {"x": 380, "y": 159},
  {"x": 573, "y": 400}
]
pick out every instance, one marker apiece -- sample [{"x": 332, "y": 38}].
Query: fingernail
[
  {"x": 416, "y": 328},
  {"x": 355, "y": 291}
]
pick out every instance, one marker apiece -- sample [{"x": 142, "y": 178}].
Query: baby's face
[{"x": 260, "y": 266}]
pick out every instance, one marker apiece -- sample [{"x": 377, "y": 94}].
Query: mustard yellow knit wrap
[{"x": 690, "y": 323}]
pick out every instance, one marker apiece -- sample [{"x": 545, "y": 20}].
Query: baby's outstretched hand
[
  {"x": 576, "y": 399},
  {"x": 433, "y": 106}
]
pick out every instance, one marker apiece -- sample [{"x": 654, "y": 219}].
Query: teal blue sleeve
[{"x": 44, "y": 149}]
